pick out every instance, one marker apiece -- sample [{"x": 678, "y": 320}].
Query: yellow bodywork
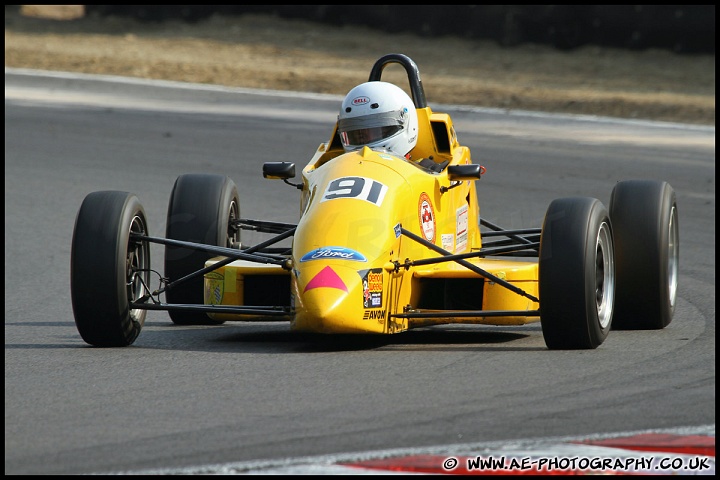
[
  {"x": 348, "y": 243},
  {"x": 226, "y": 285}
]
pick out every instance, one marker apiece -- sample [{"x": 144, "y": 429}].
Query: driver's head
[{"x": 378, "y": 115}]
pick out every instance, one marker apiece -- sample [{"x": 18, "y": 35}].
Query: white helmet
[{"x": 378, "y": 115}]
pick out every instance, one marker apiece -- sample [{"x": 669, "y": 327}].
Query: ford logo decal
[{"x": 337, "y": 253}]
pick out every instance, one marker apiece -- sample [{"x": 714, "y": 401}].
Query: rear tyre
[
  {"x": 647, "y": 245},
  {"x": 576, "y": 274},
  {"x": 108, "y": 269},
  {"x": 202, "y": 209}
]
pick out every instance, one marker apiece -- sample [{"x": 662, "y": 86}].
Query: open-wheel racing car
[{"x": 383, "y": 244}]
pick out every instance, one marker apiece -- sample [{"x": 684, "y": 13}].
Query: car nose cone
[{"x": 329, "y": 299}]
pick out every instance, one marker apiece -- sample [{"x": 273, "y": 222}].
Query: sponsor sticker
[
  {"x": 426, "y": 213},
  {"x": 214, "y": 288},
  {"x": 448, "y": 239},
  {"x": 333, "y": 253},
  {"x": 372, "y": 283},
  {"x": 461, "y": 228},
  {"x": 378, "y": 315}
]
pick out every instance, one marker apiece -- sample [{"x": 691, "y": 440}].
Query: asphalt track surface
[{"x": 256, "y": 398}]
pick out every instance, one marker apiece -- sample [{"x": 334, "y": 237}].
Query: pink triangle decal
[{"x": 326, "y": 278}]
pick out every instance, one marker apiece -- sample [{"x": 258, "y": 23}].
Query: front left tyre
[
  {"x": 647, "y": 237},
  {"x": 576, "y": 274},
  {"x": 109, "y": 269}
]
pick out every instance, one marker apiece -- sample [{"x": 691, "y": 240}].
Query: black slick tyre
[
  {"x": 202, "y": 209},
  {"x": 108, "y": 269},
  {"x": 576, "y": 274},
  {"x": 647, "y": 245}
]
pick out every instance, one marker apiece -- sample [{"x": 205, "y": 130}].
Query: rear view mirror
[
  {"x": 278, "y": 170},
  {"x": 464, "y": 172}
]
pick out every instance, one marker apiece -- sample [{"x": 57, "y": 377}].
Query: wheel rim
[
  {"x": 233, "y": 232},
  {"x": 673, "y": 257},
  {"x": 137, "y": 271},
  {"x": 604, "y": 275}
]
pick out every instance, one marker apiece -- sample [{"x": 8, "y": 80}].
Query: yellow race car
[{"x": 385, "y": 243}]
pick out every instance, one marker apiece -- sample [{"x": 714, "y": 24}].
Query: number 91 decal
[{"x": 356, "y": 187}]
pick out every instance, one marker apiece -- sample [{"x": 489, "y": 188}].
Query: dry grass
[{"x": 268, "y": 52}]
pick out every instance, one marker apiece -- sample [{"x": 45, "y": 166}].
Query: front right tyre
[{"x": 203, "y": 208}]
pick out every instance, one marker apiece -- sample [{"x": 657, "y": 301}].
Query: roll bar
[{"x": 416, "y": 88}]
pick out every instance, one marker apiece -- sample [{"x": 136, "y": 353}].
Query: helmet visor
[
  {"x": 370, "y": 129},
  {"x": 366, "y": 136}
]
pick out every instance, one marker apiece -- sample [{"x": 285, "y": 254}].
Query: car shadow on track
[{"x": 274, "y": 338}]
